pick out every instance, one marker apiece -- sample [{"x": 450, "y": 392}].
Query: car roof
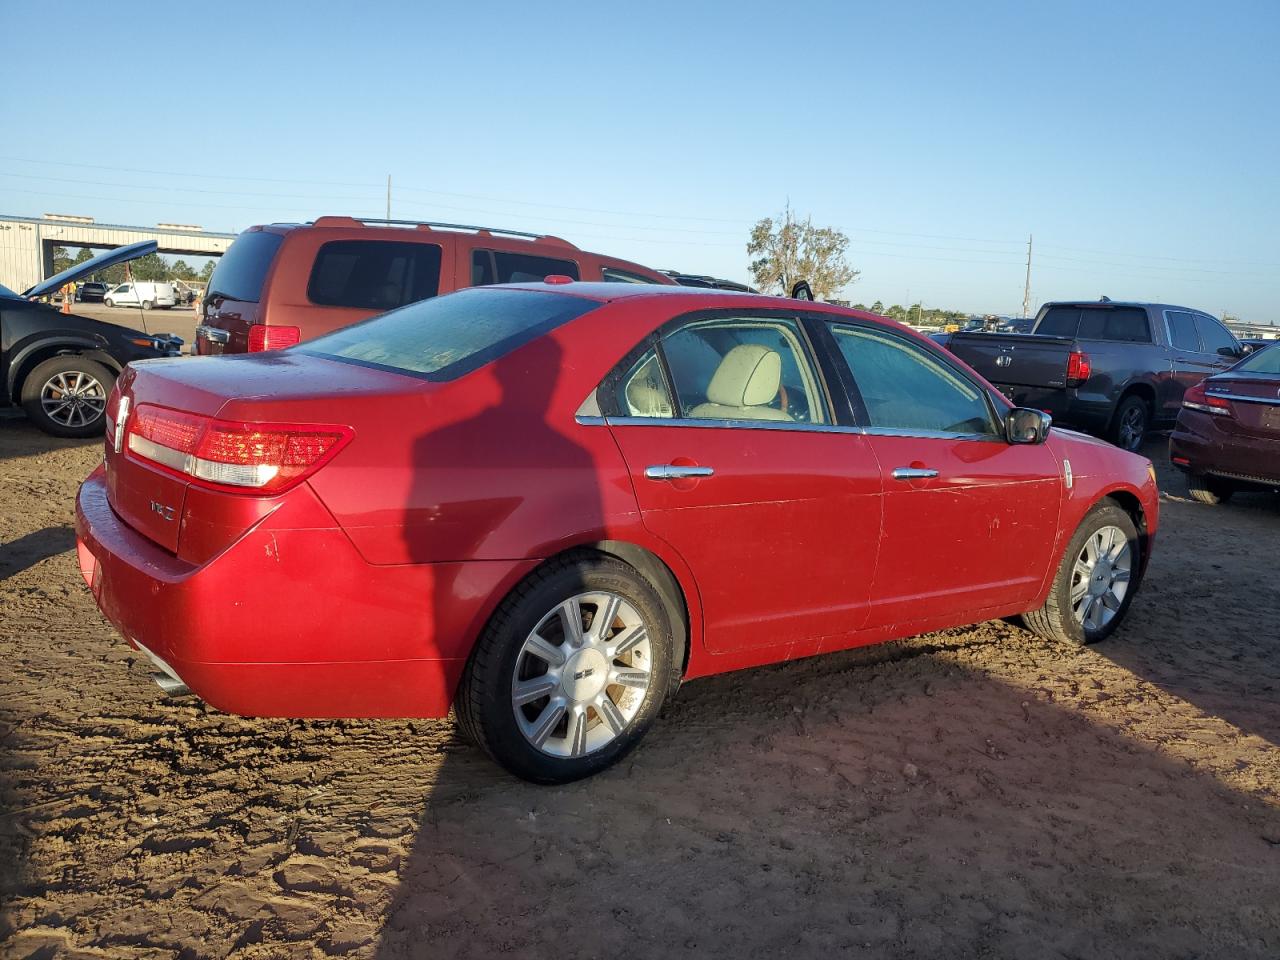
[
  {"x": 1121, "y": 303},
  {"x": 705, "y": 296}
]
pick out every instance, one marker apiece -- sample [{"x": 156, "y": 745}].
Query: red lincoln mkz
[{"x": 549, "y": 504}]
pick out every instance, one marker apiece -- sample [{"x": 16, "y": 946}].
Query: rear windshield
[
  {"x": 450, "y": 336},
  {"x": 1125, "y": 324},
  {"x": 242, "y": 270},
  {"x": 1266, "y": 360}
]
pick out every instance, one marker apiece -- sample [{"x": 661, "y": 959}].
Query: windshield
[
  {"x": 1266, "y": 360},
  {"x": 449, "y": 336}
]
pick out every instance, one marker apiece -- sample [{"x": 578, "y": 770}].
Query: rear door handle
[
  {"x": 913, "y": 473},
  {"x": 671, "y": 471}
]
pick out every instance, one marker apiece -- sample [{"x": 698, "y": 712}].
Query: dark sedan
[
  {"x": 91, "y": 292},
  {"x": 1228, "y": 433}
]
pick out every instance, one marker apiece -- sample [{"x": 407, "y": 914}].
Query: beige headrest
[{"x": 748, "y": 376}]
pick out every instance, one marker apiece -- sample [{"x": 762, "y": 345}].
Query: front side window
[
  {"x": 374, "y": 274},
  {"x": 743, "y": 369},
  {"x": 500, "y": 266},
  {"x": 1182, "y": 331},
  {"x": 447, "y": 337},
  {"x": 1215, "y": 338},
  {"x": 906, "y": 388}
]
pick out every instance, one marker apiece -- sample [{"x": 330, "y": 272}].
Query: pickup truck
[{"x": 1112, "y": 369}]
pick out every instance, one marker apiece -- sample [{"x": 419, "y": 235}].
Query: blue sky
[{"x": 1138, "y": 142}]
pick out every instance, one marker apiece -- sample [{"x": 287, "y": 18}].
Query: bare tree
[{"x": 787, "y": 249}]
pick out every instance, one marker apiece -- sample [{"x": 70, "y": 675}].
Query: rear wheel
[
  {"x": 67, "y": 396},
  {"x": 571, "y": 671},
  {"x": 1095, "y": 582},
  {"x": 1130, "y": 423},
  {"x": 147, "y": 304},
  {"x": 1210, "y": 490}
]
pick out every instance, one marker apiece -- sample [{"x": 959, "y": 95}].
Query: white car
[{"x": 145, "y": 292}]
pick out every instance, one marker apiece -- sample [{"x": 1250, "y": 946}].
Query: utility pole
[
  {"x": 1026, "y": 290},
  {"x": 388, "y": 196}
]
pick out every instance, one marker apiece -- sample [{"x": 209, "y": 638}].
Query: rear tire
[
  {"x": 1130, "y": 423},
  {"x": 66, "y": 396},
  {"x": 1091, "y": 594},
  {"x": 147, "y": 305},
  {"x": 1210, "y": 490},
  {"x": 540, "y": 698}
]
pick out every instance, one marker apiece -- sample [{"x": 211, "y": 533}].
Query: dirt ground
[{"x": 975, "y": 793}]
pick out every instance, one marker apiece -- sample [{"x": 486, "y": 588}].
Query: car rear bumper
[
  {"x": 291, "y": 622},
  {"x": 1197, "y": 445}
]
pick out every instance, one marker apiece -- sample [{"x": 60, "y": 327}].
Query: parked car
[
  {"x": 1112, "y": 369},
  {"x": 707, "y": 282},
  {"x": 60, "y": 367},
  {"x": 145, "y": 293},
  {"x": 1228, "y": 433},
  {"x": 283, "y": 284},
  {"x": 547, "y": 505},
  {"x": 91, "y": 292}
]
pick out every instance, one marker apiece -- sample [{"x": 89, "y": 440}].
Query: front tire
[
  {"x": 1095, "y": 582},
  {"x": 1130, "y": 423},
  {"x": 109, "y": 302},
  {"x": 570, "y": 672},
  {"x": 66, "y": 396},
  {"x": 1210, "y": 490}
]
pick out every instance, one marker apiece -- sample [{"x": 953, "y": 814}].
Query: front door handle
[
  {"x": 914, "y": 473},
  {"x": 672, "y": 471}
]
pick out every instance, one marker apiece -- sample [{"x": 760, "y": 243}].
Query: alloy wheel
[
  {"x": 1100, "y": 578},
  {"x": 1133, "y": 426},
  {"x": 581, "y": 675},
  {"x": 73, "y": 398}
]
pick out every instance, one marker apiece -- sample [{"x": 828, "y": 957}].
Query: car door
[
  {"x": 737, "y": 463},
  {"x": 969, "y": 519},
  {"x": 1191, "y": 363}
]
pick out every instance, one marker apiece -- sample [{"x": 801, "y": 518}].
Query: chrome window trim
[{"x": 589, "y": 421}]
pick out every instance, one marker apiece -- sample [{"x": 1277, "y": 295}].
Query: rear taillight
[
  {"x": 230, "y": 454},
  {"x": 1078, "y": 368},
  {"x": 1197, "y": 398},
  {"x": 263, "y": 337}
]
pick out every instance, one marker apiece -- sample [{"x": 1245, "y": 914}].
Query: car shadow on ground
[
  {"x": 894, "y": 801},
  {"x": 28, "y": 550}
]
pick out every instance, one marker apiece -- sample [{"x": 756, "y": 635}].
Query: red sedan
[{"x": 547, "y": 505}]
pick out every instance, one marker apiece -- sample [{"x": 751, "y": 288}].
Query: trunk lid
[
  {"x": 193, "y": 519},
  {"x": 1015, "y": 359},
  {"x": 1254, "y": 400}
]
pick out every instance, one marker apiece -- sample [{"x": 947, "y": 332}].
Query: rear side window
[
  {"x": 1215, "y": 338},
  {"x": 242, "y": 270},
  {"x": 1126, "y": 324},
  {"x": 1182, "y": 331},
  {"x": 1059, "y": 322},
  {"x": 499, "y": 266},
  {"x": 374, "y": 274},
  {"x": 614, "y": 275},
  {"x": 447, "y": 337}
]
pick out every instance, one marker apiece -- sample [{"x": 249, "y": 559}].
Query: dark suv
[
  {"x": 59, "y": 366},
  {"x": 284, "y": 283}
]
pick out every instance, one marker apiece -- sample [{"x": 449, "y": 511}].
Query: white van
[{"x": 148, "y": 293}]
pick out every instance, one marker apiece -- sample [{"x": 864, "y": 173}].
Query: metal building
[{"x": 27, "y": 243}]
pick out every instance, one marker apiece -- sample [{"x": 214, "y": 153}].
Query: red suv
[{"x": 283, "y": 283}]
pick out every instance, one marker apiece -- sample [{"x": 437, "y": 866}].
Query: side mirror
[
  {"x": 802, "y": 291},
  {"x": 1237, "y": 352},
  {"x": 1025, "y": 425}
]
